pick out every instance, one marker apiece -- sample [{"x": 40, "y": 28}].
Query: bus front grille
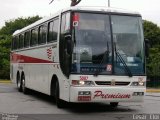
[{"x": 117, "y": 83}]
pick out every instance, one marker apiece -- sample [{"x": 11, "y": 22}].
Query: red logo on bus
[
  {"x": 100, "y": 94},
  {"x": 83, "y": 77},
  {"x": 49, "y": 52}
]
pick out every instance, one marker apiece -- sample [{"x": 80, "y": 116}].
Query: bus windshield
[{"x": 95, "y": 46}]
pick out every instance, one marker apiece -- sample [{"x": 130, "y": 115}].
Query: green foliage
[
  {"x": 5, "y": 42},
  {"x": 152, "y": 33},
  {"x": 154, "y": 62},
  {"x": 11, "y": 26},
  {"x": 4, "y": 56}
]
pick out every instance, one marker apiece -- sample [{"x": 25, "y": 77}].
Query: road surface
[{"x": 37, "y": 106}]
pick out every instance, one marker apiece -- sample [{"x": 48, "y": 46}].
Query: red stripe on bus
[{"x": 17, "y": 58}]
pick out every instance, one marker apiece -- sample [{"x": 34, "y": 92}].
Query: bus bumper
[{"x": 107, "y": 94}]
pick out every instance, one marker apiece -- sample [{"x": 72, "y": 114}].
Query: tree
[
  {"x": 13, "y": 25},
  {"x": 4, "y": 57},
  {"x": 5, "y": 42},
  {"x": 152, "y": 33}
]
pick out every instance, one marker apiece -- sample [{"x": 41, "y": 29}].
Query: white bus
[{"x": 82, "y": 55}]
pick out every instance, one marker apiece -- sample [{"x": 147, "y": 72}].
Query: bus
[{"x": 82, "y": 55}]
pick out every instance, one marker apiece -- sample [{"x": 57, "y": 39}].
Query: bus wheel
[
  {"x": 114, "y": 104},
  {"x": 24, "y": 89},
  {"x": 60, "y": 103},
  {"x": 19, "y": 84}
]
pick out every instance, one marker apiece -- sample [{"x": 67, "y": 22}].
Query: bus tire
[
  {"x": 60, "y": 103},
  {"x": 114, "y": 104},
  {"x": 24, "y": 89},
  {"x": 19, "y": 83}
]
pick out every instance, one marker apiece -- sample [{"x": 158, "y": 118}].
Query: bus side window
[
  {"x": 53, "y": 30},
  {"x": 26, "y": 39},
  {"x": 13, "y": 42},
  {"x": 16, "y": 43},
  {"x": 34, "y": 37},
  {"x": 65, "y": 40},
  {"x": 65, "y": 25},
  {"x": 42, "y": 34},
  {"x": 21, "y": 41}
]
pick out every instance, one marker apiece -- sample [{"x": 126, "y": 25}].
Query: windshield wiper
[
  {"x": 105, "y": 57},
  {"x": 123, "y": 62}
]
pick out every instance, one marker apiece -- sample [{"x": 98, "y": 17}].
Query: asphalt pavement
[{"x": 36, "y": 106}]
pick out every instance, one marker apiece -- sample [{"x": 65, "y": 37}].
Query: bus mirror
[
  {"x": 147, "y": 46},
  {"x": 68, "y": 51},
  {"x": 68, "y": 43}
]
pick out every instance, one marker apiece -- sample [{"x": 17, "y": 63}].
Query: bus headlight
[
  {"x": 140, "y": 83},
  {"x": 82, "y": 83}
]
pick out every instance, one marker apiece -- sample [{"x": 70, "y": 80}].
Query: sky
[{"x": 12, "y": 9}]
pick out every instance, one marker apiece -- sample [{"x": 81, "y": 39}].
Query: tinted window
[
  {"x": 50, "y": 35},
  {"x": 21, "y": 41},
  {"x": 53, "y": 30},
  {"x": 64, "y": 56},
  {"x": 15, "y": 43},
  {"x": 128, "y": 39},
  {"x": 92, "y": 51},
  {"x": 26, "y": 39},
  {"x": 42, "y": 34},
  {"x": 34, "y": 37},
  {"x": 65, "y": 25}
]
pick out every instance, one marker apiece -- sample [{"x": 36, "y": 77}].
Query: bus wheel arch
[{"x": 55, "y": 91}]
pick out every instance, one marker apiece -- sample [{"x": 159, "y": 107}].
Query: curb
[
  {"x": 153, "y": 90},
  {"x": 5, "y": 81}
]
